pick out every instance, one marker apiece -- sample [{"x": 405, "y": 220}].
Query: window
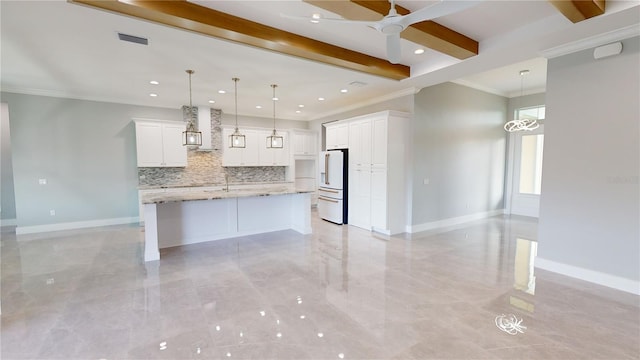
[{"x": 531, "y": 153}]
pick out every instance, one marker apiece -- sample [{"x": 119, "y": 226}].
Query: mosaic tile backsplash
[{"x": 205, "y": 167}]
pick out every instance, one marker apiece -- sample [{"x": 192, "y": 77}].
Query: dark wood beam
[
  {"x": 578, "y": 10},
  {"x": 188, "y": 16},
  {"x": 426, "y": 33}
]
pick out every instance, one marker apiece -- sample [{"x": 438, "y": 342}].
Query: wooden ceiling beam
[
  {"x": 189, "y": 16},
  {"x": 578, "y": 10},
  {"x": 426, "y": 33}
]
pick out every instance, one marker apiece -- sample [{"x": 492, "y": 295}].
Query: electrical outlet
[
  {"x": 52, "y": 212},
  {"x": 42, "y": 181},
  {"x": 426, "y": 181}
]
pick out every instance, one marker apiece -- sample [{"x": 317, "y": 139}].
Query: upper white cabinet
[
  {"x": 255, "y": 152},
  {"x": 273, "y": 156},
  {"x": 337, "y": 136},
  {"x": 305, "y": 143},
  {"x": 246, "y": 156},
  {"x": 159, "y": 143}
]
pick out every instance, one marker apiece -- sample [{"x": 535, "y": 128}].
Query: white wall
[
  {"x": 459, "y": 146},
  {"x": 589, "y": 210}
]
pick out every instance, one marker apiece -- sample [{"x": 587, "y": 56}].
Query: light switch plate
[{"x": 42, "y": 181}]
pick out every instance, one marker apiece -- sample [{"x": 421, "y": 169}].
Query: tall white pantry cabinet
[{"x": 379, "y": 149}]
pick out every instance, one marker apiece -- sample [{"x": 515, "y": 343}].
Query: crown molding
[{"x": 591, "y": 42}]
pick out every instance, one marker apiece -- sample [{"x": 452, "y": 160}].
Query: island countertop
[{"x": 194, "y": 194}]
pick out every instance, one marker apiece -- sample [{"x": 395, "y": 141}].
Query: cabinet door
[
  {"x": 304, "y": 143},
  {"x": 282, "y": 157},
  {"x": 273, "y": 156},
  {"x": 149, "y": 144},
  {"x": 298, "y": 143},
  {"x": 230, "y": 156},
  {"x": 175, "y": 154},
  {"x": 360, "y": 197},
  {"x": 360, "y": 143},
  {"x": 331, "y": 137},
  {"x": 379, "y": 137},
  {"x": 310, "y": 145},
  {"x": 342, "y": 136},
  {"x": 379, "y": 198},
  {"x": 251, "y": 153}
]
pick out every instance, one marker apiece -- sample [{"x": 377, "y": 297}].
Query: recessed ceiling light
[
  {"x": 275, "y": 99},
  {"x": 344, "y": 90},
  {"x": 221, "y": 92},
  {"x": 153, "y": 82},
  {"x": 153, "y": 95},
  {"x": 320, "y": 99},
  {"x": 212, "y": 101},
  {"x": 300, "y": 106},
  {"x": 315, "y": 18},
  {"x": 258, "y": 107},
  {"x": 298, "y": 111},
  {"x": 418, "y": 51}
]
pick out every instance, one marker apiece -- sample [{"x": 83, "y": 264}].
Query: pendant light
[
  {"x": 521, "y": 124},
  {"x": 274, "y": 141},
  {"x": 191, "y": 137},
  {"x": 236, "y": 140}
]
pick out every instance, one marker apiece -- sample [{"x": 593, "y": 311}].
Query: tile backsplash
[{"x": 205, "y": 167}]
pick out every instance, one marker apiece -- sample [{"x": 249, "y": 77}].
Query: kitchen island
[{"x": 197, "y": 215}]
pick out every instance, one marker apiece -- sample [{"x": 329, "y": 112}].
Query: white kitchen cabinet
[
  {"x": 360, "y": 143},
  {"x": 378, "y": 144},
  {"x": 305, "y": 143},
  {"x": 378, "y": 199},
  {"x": 273, "y": 156},
  {"x": 337, "y": 136},
  {"x": 159, "y": 143},
  {"x": 379, "y": 138},
  {"x": 246, "y": 156}
]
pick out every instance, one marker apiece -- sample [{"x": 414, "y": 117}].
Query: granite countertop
[{"x": 194, "y": 194}]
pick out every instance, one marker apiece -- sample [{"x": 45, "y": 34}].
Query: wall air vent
[{"x": 133, "y": 39}]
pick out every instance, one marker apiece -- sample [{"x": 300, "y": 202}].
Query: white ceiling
[{"x": 61, "y": 49}]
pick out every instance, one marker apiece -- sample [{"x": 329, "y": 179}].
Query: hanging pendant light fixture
[
  {"x": 521, "y": 124},
  {"x": 236, "y": 140},
  {"x": 191, "y": 137},
  {"x": 274, "y": 141}
]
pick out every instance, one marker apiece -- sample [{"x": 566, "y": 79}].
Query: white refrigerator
[{"x": 332, "y": 193}]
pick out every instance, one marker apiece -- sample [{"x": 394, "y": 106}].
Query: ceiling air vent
[{"x": 133, "y": 39}]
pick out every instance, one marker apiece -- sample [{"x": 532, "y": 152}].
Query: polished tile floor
[{"x": 468, "y": 292}]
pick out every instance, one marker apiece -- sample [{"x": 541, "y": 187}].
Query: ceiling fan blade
[
  {"x": 394, "y": 53},
  {"x": 442, "y": 8}
]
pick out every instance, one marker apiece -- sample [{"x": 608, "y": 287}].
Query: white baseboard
[
  {"x": 20, "y": 230},
  {"x": 8, "y": 222},
  {"x": 453, "y": 221},
  {"x": 595, "y": 277}
]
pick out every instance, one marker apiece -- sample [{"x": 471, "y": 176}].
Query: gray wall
[
  {"x": 459, "y": 145},
  {"x": 85, "y": 150},
  {"x": 6, "y": 169},
  {"x": 589, "y": 210}
]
